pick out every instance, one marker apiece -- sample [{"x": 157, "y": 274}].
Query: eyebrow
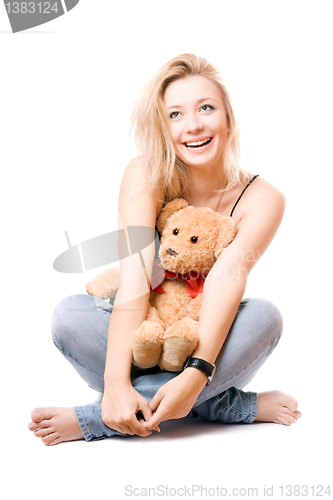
[{"x": 198, "y": 102}]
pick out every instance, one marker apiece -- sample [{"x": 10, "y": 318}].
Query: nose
[
  {"x": 172, "y": 252},
  {"x": 193, "y": 124}
]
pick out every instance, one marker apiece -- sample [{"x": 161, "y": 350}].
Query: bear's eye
[
  {"x": 175, "y": 231},
  {"x": 194, "y": 239}
]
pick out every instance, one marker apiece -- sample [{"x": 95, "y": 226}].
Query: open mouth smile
[{"x": 198, "y": 144}]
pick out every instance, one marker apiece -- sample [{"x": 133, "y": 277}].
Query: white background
[{"x": 66, "y": 93}]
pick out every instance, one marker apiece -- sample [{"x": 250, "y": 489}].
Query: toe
[
  {"x": 290, "y": 418},
  {"x": 282, "y": 420},
  {"x": 295, "y": 415},
  {"x": 287, "y": 419},
  {"x": 290, "y": 402},
  {"x": 43, "y": 432},
  {"x": 33, "y": 426},
  {"x": 39, "y": 414},
  {"x": 50, "y": 439}
]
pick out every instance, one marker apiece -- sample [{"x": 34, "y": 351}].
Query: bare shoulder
[
  {"x": 257, "y": 218},
  {"x": 134, "y": 173},
  {"x": 262, "y": 197},
  {"x": 137, "y": 205},
  {"x": 266, "y": 189}
]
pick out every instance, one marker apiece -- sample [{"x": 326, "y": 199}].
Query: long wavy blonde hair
[{"x": 150, "y": 122}]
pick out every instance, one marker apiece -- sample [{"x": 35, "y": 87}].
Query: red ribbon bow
[{"x": 194, "y": 286}]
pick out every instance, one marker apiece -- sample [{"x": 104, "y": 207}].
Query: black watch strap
[{"x": 203, "y": 366}]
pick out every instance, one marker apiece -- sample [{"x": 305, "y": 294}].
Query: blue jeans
[{"x": 79, "y": 329}]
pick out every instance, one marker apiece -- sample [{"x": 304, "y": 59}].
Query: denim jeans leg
[
  {"x": 79, "y": 328},
  {"x": 80, "y": 331},
  {"x": 253, "y": 336},
  {"x": 93, "y": 428},
  {"x": 229, "y": 407}
]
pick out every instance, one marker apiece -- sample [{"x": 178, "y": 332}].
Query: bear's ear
[
  {"x": 169, "y": 209},
  {"x": 227, "y": 233}
]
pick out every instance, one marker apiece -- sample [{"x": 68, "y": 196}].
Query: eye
[
  {"x": 206, "y": 107},
  {"x": 194, "y": 239},
  {"x": 175, "y": 231},
  {"x": 174, "y": 114}
]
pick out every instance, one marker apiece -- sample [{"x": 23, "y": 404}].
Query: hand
[
  {"x": 176, "y": 398},
  {"x": 120, "y": 405}
]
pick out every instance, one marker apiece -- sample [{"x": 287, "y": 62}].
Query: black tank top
[
  {"x": 233, "y": 208},
  {"x": 235, "y": 205}
]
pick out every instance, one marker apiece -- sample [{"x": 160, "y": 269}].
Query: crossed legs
[{"x": 79, "y": 328}]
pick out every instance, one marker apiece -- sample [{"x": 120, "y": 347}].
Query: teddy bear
[{"x": 192, "y": 238}]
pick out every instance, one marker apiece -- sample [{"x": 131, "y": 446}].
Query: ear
[
  {"x": 226, "y": 234},
  {"x": 169, "y": 209}
]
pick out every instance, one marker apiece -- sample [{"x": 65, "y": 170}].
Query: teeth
[{"x": 199, "y": 143}]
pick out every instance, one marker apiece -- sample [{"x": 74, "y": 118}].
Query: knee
[
  {"x": 268, "y": 319},
  {"x": 63, "y": 321}
]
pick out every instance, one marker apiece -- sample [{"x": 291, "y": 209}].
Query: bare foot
[
  {"x": 277, "y": 407},
  {"x": 55, "y": 425}
]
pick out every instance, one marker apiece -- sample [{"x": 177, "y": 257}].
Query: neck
[{"x": 203, "y": 186}]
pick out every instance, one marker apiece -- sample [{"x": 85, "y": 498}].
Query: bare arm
[
  {"x": 260, "y": 217},
  {"x": 226, "y": 283},
  {"x": 121, "y": 402}
]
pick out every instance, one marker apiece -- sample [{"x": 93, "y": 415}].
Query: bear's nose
[{"x": 171, "y": 252}]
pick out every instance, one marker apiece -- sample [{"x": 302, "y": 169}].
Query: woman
[{"x": 187, "y": 133}]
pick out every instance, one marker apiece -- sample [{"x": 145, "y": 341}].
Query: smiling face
[{"x": 197, "y": 119}]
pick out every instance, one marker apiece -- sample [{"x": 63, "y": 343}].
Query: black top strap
[{"x": 235, "y": 205}]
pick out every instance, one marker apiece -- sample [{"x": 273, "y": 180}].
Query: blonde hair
[{"x": 152, "y": 135}]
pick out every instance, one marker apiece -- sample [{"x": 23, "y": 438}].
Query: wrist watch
[{"x": 203, "y": 366}]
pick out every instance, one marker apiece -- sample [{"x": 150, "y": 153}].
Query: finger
[
  {"x": 157, "y": 429},
  {"x": 155, "y": 402},
  {"x": 138, "y": 428},
  {"x": 129, "y": 431},
  {"x": 116, "y": 427},
  {"x": 124, "y": 429},
  {"x": 155, "y": 420},
  {"x": 146, "y": 411},
  {"x": 144, "y": 415}
]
